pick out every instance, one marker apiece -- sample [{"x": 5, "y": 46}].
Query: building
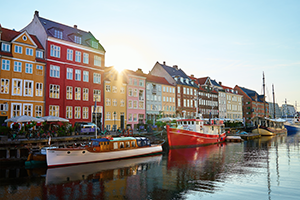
[
  {"x": 234, "y": 107},
  {"x": 253, "y": 104},
  {"x": 277, "y": 110},
  {"x": 22, "y": 75},
  {"x": 186, "y": 88},
  {"x": 74, "y": 71},
  {"x": 288, "y": 111},
  {"x": 115, "y": 107},
  {"x": 160, "y": 101},
  {"x": 136, "y": 89}
]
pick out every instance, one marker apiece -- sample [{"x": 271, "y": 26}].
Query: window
[
  {"x": 135, "y": 117},
  {"x": 114, "y": 89},
  {"x": 27, "y": 109},
  {"x": 55, "y": 51},
  {"x": 135, "y": 104},
  {"x": 129, "y": 117},
  {"x": 130, "y": 92},
  {"x": 85, "y": 76},
  {"x": 4, "y": 86},
  {"x": 69, "y": 73},
  {"x": 18, "y": 49},
  {"x": 85, "y": 96},
  {"x": 141, "y": 83},
  {"x": 39, "y": 70},
  {"x": 78, "y": 56},
  {"x": 77, "y": 112},
  {"x": 28, "y": 68},
  {"x": 69, "y": 54},
  {"x": 16, "y": 109},
  {"x": 108, "y": 115},
  {"x": 29, "y": 51},
  {"x": 122, "y": 103},
  {"x": 69, "y": 113},
  {"x": 141, "y": 105},
  {"x": 54, "y": 110},
  {"x": 5, "y": 47},
  {"x": 97, "y": 95},
  {"x": 97, "y": 61},
  {"x": 114, "y": 102},
  {"x": 17, "y": 87},
  {"x": 141, "y": 95},
  {"x": 39, "y": 89},
  {"x": 54, "y": 91},
  {"x": 135, "y": 92},
  {"x": 39, "y": 54},
  {"x": 17, "y": 66},
  {"x": 95, "y": 44},
  {"x": 78, "y": 75},
  {"x": 178, "y": 90},
  {"x": 77, "y": 39},
  {"x": 54, "y": 71},
  {"x": 107, "y": 102},
  {"x": 134, "y": 82},
  {"x": 58, "y": 33},
  {"x": 85, "y": 112},
  {"x": 5, "y": 64},
  {"x": 107, "y": 88},
  {"x": 77, "y": 93},
  {"x": 97, "y": 78},
  {"x": 86, "y": 58},
  {"x": 130, "y": 104},
  {"x": 38, "y": 111},
  {"x": 69, "y": 92},
  {"x": 122, "y": 90}
]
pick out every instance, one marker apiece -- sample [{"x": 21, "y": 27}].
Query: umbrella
[
  {"x": 54, "y": 119},
  {"x": 166, "y": 119},
  {"x": 24, "y": 118}
]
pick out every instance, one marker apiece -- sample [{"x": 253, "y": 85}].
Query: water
[{"x": 266, "y": 168}]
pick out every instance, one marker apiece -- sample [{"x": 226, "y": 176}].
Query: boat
[
  {"x": 65, "y": 174},
  {"x": 102, "y": 149},
  {"x": 37, "y": 157},
  {"x": 292, "y": 127},
  {"x": 195, "y": 132},
  {"x": 268, "y": 127}
]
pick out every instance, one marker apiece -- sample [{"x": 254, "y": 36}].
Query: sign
[{"x": 87, "y": 130}]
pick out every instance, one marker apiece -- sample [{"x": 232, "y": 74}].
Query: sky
[{"x": 231, "y": 41}]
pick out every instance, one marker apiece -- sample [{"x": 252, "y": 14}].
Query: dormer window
[
  {"x": 187, "y": 81},
  {"x": 176, "y": 78},
  {"x": 77, "y": 39},
  {"x": 95, "y": 44},
  {"x": 58, "y": 33},
  {"x": 5, "y": 47},
  {"x": 181, "y": 79}
]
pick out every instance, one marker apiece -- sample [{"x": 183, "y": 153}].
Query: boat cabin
[
  {"x": 267, "y": 122},
  {"x": 212, "y": 126}
]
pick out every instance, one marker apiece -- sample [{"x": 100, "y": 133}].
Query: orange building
[{"x": 22, "y": 75}]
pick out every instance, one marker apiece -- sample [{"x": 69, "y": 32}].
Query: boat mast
[
  {"x": 274, "y": 101},
  {"x": 264, "y": 94}
]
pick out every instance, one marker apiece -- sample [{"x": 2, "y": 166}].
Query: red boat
[{"x": 195, "y": 132}]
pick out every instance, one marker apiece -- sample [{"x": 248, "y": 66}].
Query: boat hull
[
  {"x": 269, "y": 131},
  {"x": 61, "y": 157},
  {"x": 179, "y": 138},
  {"x": 292, "y": 129}
]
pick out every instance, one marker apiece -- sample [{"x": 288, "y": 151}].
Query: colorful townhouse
[
  {"x": 186, "y": 88},
  {"x": 253, "y": 103},
  {"x": 136, "y": 101},
  {"x": 208, "y": 97},
  {"x": 115, "y": 95},
  {"x": 233, "y": 104},
  {"x": 74, "y": 71},
  {"x": 160, "y": 101},
  {"x": 22, "y": 75}
]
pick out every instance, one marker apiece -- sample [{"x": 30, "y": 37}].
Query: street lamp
[{"x": 115, "y": 121}]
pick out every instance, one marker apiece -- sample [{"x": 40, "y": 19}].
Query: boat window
[
  {"x": 184, "y": 122},
  {"x": 95, "y": 143},
  {"x": 133, "y": 143},
  {"x": 121, "y": 145},
  {"x": 127, "y": 144},
  {"x": 115, "y": 145},
  {"x": 197, "y": 123}
]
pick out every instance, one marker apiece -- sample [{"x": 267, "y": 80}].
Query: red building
[{"x": 74, "y": 70}]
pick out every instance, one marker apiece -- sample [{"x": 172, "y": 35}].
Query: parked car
[{"x": 87, "y": 125}]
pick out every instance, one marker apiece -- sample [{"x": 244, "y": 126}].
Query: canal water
[{"x": 265, "y": 168}]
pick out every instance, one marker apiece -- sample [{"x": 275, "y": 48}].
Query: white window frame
[
  {"x": 4, "y": 86},
  {"x": 85, "y": 112},
  {"x": 54, "y": 110},
  {"x": 97, "y": 60},
  {"x": 55, "y": 91},
  {"x": 97, "y": 78},
  {"x": 28, "y": 90},
  {"x": 69, "y": 112},
  {"x": 86, "y": 58},
  {"x": 55, "y": 51},
  {"x": 13, "y": 87},
  {"x": 28, "y": 68},
  {"x": 77, "y": 112},
  {"x": 85, "y": 76},
  {"x": 29, "y": 51},
  {"x": 13, "y": 109},
  {"x": 39, "y": 89},
  {"x": 54, "y": 71},
  {"x": 69, "y": 92},
  {"x": 69, "y": 73},
  {"x": 85, "y": 94},
  {"x": 5, "y": 47},
  {"x": 38, "y": 111},
  {"x": 18, "y": 49},
  {"x": 39, "y": 54},
  {"x": 5, "y": 64},
  {"x": 25, "y": 112},
  {"x": 77, "y": 93},
  {"x": 77, "y": 56},
  {"x": 17, "y": 66},
  {"x": 77, "y": 75},
  {"x": 70, "y": 54},
  {"x": 97, "y": 94}
]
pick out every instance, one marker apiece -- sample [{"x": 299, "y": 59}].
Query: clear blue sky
[{"x": 232, "y": 41}]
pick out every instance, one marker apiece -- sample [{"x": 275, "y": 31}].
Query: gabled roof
[
  {"x": 9, "y": 35},
  {"x": 68, "y": 31},
  {"x": 201, "y": 88},
  {"x": 252, "y": 94},
  {"x": 214, "y": 82},
  {"x": 135, "y": 73},
  {"x": 157, "y": 79},
  {"x": 229, "y": 89},
  {"x": 174, "y": 71},
  {"x": 202, "y": 81}
]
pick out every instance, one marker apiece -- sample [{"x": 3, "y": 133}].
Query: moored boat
[
  {"x": 195, "y": 132},
  {"x": 102, "y": 149},
  {"x": 268, "y": 127},
  {"x": 292, "y": 127}
]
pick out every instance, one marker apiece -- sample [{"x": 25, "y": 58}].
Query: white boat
[
  {"x": 81, "y": 172},
  {"x": 102, "y": 149}
]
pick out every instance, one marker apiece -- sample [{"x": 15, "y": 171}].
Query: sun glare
[{"x": 119, "y": 68}]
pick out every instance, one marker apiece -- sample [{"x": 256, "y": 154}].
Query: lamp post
[{"x": 115, "y": 121}]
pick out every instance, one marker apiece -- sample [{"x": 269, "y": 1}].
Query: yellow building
[
  {"x": 115, "y": 99},
  {"x": 22, "y": 75}
]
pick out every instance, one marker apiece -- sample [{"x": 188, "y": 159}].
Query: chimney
[
  {"x": 75, "y": 26},
  {"x": 220, "y": 83},
  {"x": 192, "y": 75},
  {"x": 164, "y": 63},
  {"x": 139, "y": 70},
  {"x": 36, "y": 13},
  {"x": 175, "y": 66}
]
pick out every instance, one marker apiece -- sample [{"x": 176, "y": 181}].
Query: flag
[{"x": 95, "y": 106}]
